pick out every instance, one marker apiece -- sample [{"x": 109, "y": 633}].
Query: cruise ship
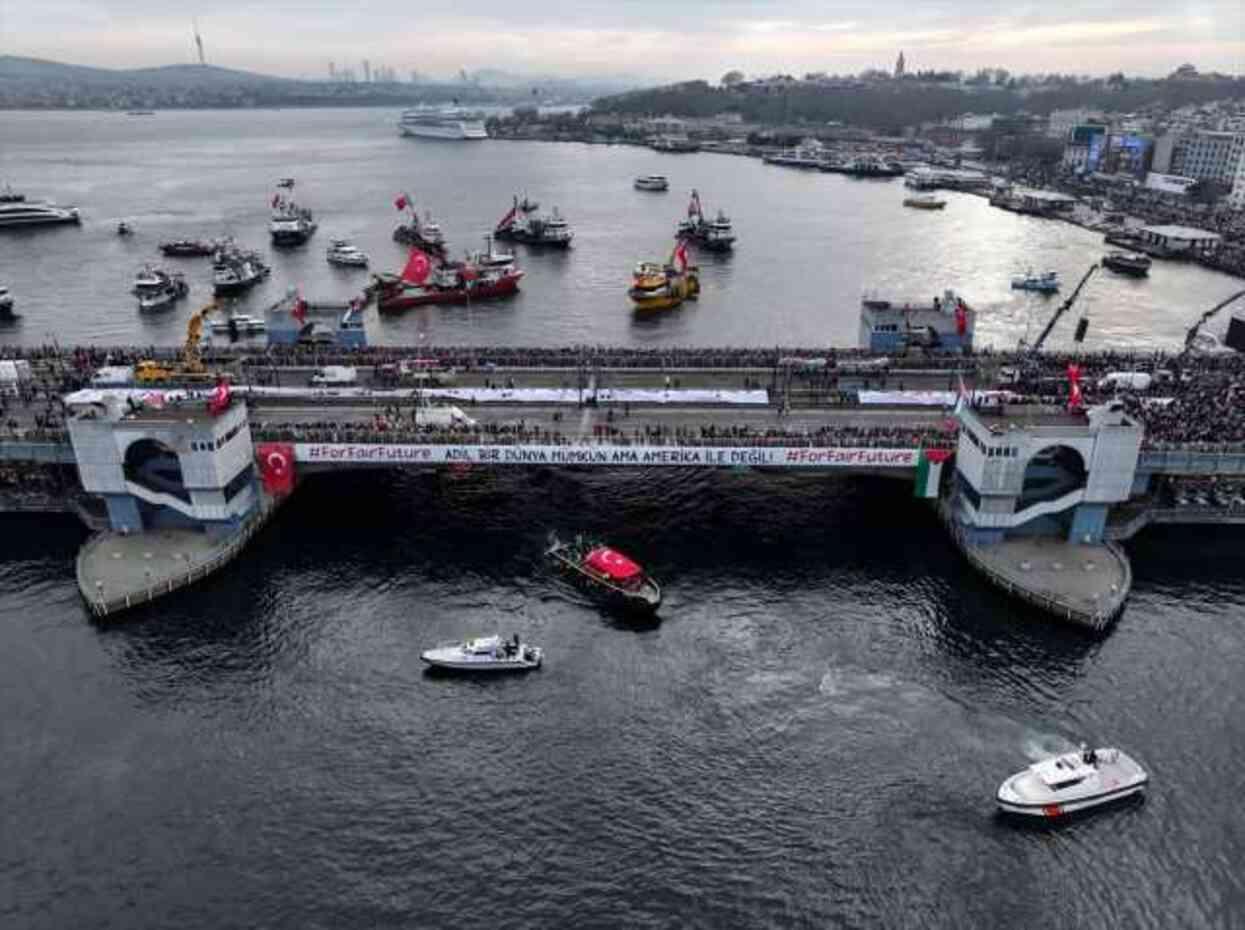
[
  {"x": 32, "y": 213},
  {"x": 441, "y": 123}
]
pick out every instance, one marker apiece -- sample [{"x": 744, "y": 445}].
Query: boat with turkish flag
[
  {"x": 420, "y": 283},
  {"x": 607, "y": 574}
]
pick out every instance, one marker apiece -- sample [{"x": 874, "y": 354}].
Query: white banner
[{"x": 684, "y": 456}]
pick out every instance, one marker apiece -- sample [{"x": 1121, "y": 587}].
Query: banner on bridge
[{"x": 682, "y": 456}]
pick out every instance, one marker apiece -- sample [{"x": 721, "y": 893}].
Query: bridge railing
[{"x": 1194, "y": 459}]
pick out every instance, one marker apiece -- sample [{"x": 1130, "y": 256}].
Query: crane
[
  {"x": 190, "y": 367},
  {"x": 1191, "y": 335},
  {"x": 1064, "y": 308}
]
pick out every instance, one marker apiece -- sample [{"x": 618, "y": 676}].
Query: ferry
[
  {"x": 35, "y": 213},
  {"x": 485, "y": 654},
  {"x": 1072, "y": 782},
  {"x": 894, "y": 325},
  {"x": 663, "y": 287},
  {"x": 1128, "y": 263},
  {"x": 607, "y": 574},
  {"x": 447, "y": 123},
  {"x": 652, "y": 182}
]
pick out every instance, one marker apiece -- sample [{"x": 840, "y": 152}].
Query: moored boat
[
  {"x": 238, "y": 324},
  {"x": 1047, "y": 282},
  {"x": 485, "y": 654},
  {"x": 607, "y": 574},
  {"x": 1072, "y": 782},
  {"x": 652, "y": 182},
  {"x": 1129, "y": 263}
]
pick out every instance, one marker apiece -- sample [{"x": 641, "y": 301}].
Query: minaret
[{"x": 899, "y": 66}]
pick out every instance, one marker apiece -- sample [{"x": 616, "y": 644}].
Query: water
[
  {"x": 809, "y": 243},
  {"x": 810, "y": 736}
]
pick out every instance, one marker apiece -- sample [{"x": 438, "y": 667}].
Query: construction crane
[
  {"x": 190, "y": 366},
  {"x": 1081, "y": 325},
  {"x": 1191, "y": 336}
]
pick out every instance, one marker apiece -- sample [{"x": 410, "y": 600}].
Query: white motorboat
[
  {"x": 149, "y": 280},
  {"x": 34, "y": 213},
  {"x": 1046, "y": 283},
  {"x": 652, "y": 182},
  {"x": 341, "y": 252},
  {"x": 442, "y": 123},
  {"x": 1072, "y": 782},
  {"x": 485, "y": 654},
  {"x": 239, "y": 323},
  {"x": 163, "y": 297}
]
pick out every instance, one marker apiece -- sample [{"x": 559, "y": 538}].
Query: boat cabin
[{"x": 1063, "y": 772}]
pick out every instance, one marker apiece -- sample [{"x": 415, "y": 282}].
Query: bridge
[{"x": 1036, "y": 497}]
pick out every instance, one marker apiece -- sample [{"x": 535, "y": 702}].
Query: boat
[
  {"x": 674, "y": 144},
  {"x": 485, "y": 654},
  {"x": 236, "y": 270},
  {"x": 714, "y": 235},
  {"x": 238, "y": 324},
  {"x": 448, "y": 283},
  {"x": 607, "y": 574},
  {"x": 808, "y": 154},
  {"x": 867, "y": 166},
  {"x": 448, "y": 123},
  {"x": 8, "y": 195},
  {"x": 1045, "y": 283},
  {"x": 1071, "y": 782},
  {"x": 189, "y": 248},
  {"x": 290, "y": 224},
  {"x": 140, "y": 112},
  {"x": 655, "y": 286},
  {"x": 529, "y": 206},
  {"x": 149, "y": 280},
  {"x": 123, "y": 229},
  {"x": 940, "y": 324},
  {"x": 164, "y": 296},
  {"x": 924, "y": 202},
  {"x": 1128, "y": 263},
  {"x": 490, "y": 258},
  {"x": 423, "y": 234},
  {"x": 341, "y": 252},
  {"x": 36, "y": 213},
  {"x": 531, "y": 228},
  {"x": 652, "y": 182},
  {"x": 6, "y": 302}
]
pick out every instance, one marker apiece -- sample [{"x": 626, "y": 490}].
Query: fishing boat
[
  {"x": 490, "y": 258},
  {"x": 716, "y": 235},
  {"x": 652, "y": 182},
  {"x": 530, "y": 228},
  {"x": 189, "y": 248},
  {"x": 485, "y": 654},
  {"x": 450, "y": 283},
  {"x": 662, "y": 287},
  {"x": 342, "y": 252},
  {"x": 1072, "y": 782},
  {"x": 163, "y": 297},
  {"x": 1128, "y": 263},
  {"x": 1045, "y": 283},
  {"x": 607, "y": 574},
  {"x": 290, "y": 223},
  {"x": 924, "y": 202},
  {"x": 236, "y": 270}
]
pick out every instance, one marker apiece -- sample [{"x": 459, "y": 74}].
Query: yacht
[
  {"x": 485, "y": 654},
  {"x": 34, "y": 213},
  {"x": 652, "y": 182},
  {"x": 441, "y": 123},
  {"x": 1072, "y": 782},
  {"x": 341, "y": 252}
]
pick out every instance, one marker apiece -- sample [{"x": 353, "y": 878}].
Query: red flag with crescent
[
  {"x": 1075, "y": 399},
  {"x": 680, "y": 254},
  {"x": 219, "y": 400},
  {"x": 276, "y": 466},
  {"x": 417, "y": 268}
]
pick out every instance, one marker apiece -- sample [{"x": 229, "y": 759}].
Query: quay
[{"x": 1037, "y": 498}]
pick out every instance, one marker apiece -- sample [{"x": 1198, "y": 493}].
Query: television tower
[{"x": 199, "y": 42}]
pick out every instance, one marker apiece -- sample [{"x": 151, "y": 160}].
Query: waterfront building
[
  {"x": 1085, "y": 148},
  {"x": 1062, "y": 122},
  {"x": 1179, "y": 241},
  {"x": 1208, "y": 155}
]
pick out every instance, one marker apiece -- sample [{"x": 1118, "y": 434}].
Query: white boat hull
[
  {"x": 455, "y": 658},
  {"x": 1064, "y": 808},
  {"x": 1073, "y": 782},
  {"x": 464, "y": 130}
]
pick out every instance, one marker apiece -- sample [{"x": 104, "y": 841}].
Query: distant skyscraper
[
  {"x": 899, "y": 66},
  {"x": 367, "y": 71},
  {"x": 199, "y": 42}
]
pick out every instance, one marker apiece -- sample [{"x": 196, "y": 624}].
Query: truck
[{"x": 335, "y": 376}]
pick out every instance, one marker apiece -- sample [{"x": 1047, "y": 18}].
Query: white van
[
  {"x": 335, "y": 376},
  {"x": 1126, "y": 381}
]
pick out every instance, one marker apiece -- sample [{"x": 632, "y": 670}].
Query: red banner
[
  {"x": 1075, "y": 399},
  {"x": 276, "y": 466}
]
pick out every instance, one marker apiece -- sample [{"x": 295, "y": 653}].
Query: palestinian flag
[{"x": 929, "y": 472}]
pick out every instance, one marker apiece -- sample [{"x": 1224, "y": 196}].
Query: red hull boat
[{"x": 401, "y": 295}]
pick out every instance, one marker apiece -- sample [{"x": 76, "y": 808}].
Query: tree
[{"x": 731, "y": 78}]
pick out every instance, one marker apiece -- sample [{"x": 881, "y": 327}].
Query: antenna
[{"x": 198, "y": 40}]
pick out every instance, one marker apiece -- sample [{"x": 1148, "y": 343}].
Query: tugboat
[
  {"x": 663, "y": 287},
  {"x": 1072, "y": 782},
  {"x": 236, "y": 270},
  {"x": 341, "y": 252},
  {"x": 485, "y": 654},
  {"x": 1045, "y": 283},
  {"x": 291, "y": 224},
  {"x": 607, "y": 575},
  {"x": 449, "y": 283},
  {"x": 652, "y": 182},
  {"x": 714, "y": 235},
  {"x": 523, "y": 224},
  {"x": 1128, "y": 263},
  {"x": 189, "y": 248}
]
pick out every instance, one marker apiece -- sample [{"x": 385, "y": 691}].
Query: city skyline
[{"x": 654, "y": 42}]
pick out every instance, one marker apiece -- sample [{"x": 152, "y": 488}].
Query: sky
[{"x": 650, "y": 39}]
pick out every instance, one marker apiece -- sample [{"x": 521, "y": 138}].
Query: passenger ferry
[
  {"x": 943, "y": 324},
  {"x": 442, "y": 123},
  {"x": 34, "y": 213}
]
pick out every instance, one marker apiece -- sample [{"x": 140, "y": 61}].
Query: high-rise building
[
  {"x": 1208, "y": 155},
  {"x": 367, "y": 71},
  {"x": 899, "y": 66}
]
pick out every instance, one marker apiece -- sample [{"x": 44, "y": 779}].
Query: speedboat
[
  {"x": 607, "y": 574},
  {"x": 924, "y": 202},
  {"x": 652, "y": 182},
  {"x": 1045, "y": 283},
  {"x": 33, "y": 213},
  {"x": 1072, "y": 782},
  {"x": 485, "y": 654},
  {"x": 341, "y": 252},
  {"x": 1137, "y": 266},
  {"x": 238, "y": 323}
]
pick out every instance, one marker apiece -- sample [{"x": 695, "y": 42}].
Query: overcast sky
[{"x": 659, "y": 39}]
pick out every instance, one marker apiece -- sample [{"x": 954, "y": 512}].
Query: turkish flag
[
  {"x": 401, "y": 202},
  {"x": 417, "y": 268},
  {"x": 961, "y": 318},
  {"x": 276, "y": 466},
  {"x": 299, "y": 312},
  {"x": 680, "y": 254},
  {"x": 1075, "y": 399}
]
